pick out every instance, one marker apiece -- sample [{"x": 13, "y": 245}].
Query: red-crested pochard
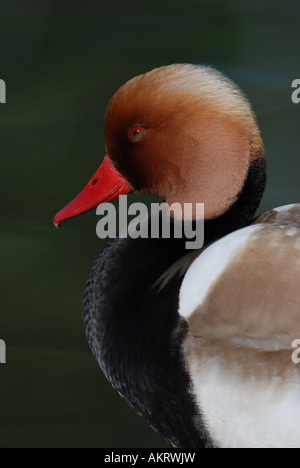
[{"x": 198, "y": 343}]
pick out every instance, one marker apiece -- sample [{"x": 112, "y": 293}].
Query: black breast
[{"x": 135, "y": 333}]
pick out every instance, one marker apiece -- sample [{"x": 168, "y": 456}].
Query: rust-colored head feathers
[{"x": 197, "y": 138}]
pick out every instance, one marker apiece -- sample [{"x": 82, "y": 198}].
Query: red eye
[{"x": 135, "y": 132}]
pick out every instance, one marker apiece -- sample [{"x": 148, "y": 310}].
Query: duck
[{"x": 198, "y": 342}]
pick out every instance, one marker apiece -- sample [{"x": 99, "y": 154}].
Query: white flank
[{"x": 251, "y": 414}]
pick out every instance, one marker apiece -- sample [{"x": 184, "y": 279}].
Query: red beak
[{"x": 105, "y": 186}]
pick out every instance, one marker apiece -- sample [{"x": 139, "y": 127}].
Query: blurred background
[{"x": 62, "y": 61}]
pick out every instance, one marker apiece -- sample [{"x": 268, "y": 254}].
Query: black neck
[{"x": 243, "y": 210}]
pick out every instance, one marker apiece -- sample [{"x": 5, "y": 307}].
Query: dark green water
[{"x": 62, "y": 61}]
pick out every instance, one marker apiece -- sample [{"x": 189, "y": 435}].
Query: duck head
[{"x": 182, "y": 132}]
